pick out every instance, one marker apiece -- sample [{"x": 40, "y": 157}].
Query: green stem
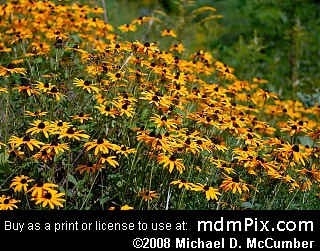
[
  {"x": 150, "y": 181},
  {"x": 88, "y": 194},
  {"x": 292, "y": 199},
  {"x": 67, "y": 178},
  {"x": 275, "y": 195}
]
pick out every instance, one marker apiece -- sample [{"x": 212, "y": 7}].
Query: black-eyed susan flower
[
  {"x": 8, "y": 203},
  {"x": 59, "y": 126},
  {"x": 160, "y": 121},
  {"x": 182, "y": 183},
  {"x": 100, "y": 145},
  {"x": 147, "y": 48},
  {"x": 125, "y": 207},
  {"x": 171, "y": 161},
  {"x": 148, "y": 195},
  {"x": 39, "y": 126},
  {"x": 2, "y": 144},
  {"x": 55, "y": 147},
  {"x": 155, "y": 98},
  {"x": 44, "y": 156},
  {"x": 266, "y": 94},
  {"x": 43, "y": 87},
  {"x": 210, "y": 192},
  {"x": 119, "y": 76},
  {"x": 56, "y": 35},
  {"x": 2, "y": 89},
  {"x": 40, "y": 187},
  {"x": 234, "y": 184},
  {"x": 293, "y": 151},
  {"x": 245, "y": 152},
  {"x": 81, "y": 117},
  {"x": 26, "y": 88},
  {"x": 86, "y": 85},
  {"x": 54, "y": 92},
  {"x": 37, "y": 113},
  {"x": 311, "y": 173},
  {"x": 26, "y": 140},
  {"x": 260, "y": 80},
  {"x": 124, "y": 108},
  {"x": 111, "y": 160},
  {"x": 177, "y": 47},
  {"x": 50, "y": 198},
  {"x": 127, "y": 27},
  {"x": 125, "y": 150},
  {"x": 226, "y": 72},
  {"x": 295, "y": 127},
  {"x": 168, "y": 32},
  {"x": 3, "y": 48},
  {"x": 11, "y": 69},
  {"x": 87, "y": 168},
  {"x": 107, "y": 110},
  {"x": 20, "y": 183},
  {"x": 142, "y": 19},
  {"x": 72, "y": 133}
]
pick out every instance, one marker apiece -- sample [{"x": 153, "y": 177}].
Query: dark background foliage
[{"x": 270, "y": 39}]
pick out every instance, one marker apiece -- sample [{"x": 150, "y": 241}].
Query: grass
[{"x": 93, "y": 117}]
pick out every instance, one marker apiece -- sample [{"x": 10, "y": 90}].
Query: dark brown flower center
[
  {"x": 26, "y": 138},
  {"x": 54, "y": 90},
  {"x": 206, "y": 188},
  {"x": 295, "y": 148},
  {"x": 48, "y": 196},
  {"x": 41, "y": 125},
  {"x": 70, "y": 131},
  {"x": 54, "y": 143},
  {"x": 100, "y": 141},
  {"x": 172, "y": 158},
  {"x": 236, "y": 179}
]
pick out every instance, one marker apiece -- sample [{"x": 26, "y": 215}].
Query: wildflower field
[{"x": 100, "y": 116}]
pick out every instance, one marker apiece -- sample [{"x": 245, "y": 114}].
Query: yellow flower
[
  {"x": 100, "y": 145},
  {"x": 211, "y": 193},
  {"x": 234, "y": 184},
  {"x": 125, "y": 207},
  {"x": 72, "y": 133},
  {"x": 7, "y": 203},
  {"x": 127, "y": 27},
  {"x": 39, "y": 188},
  {"x": 171, "y": 161},
  {"x": 148, "y": 195},
  {"x": 168, "y": 32},
  {"x": 81, "y": 117},
  {"x": 50, "y": 198},
  {"x": 39, "y": 126},
  {"x": 86, "y": 85},
  {"x": 10, "y": 69},
  {"x": 183, "y": 183},
  {"x": 31, "y": 143},
  {"x": 20, "y": 183},
  {"x": 55, "y": 147}
]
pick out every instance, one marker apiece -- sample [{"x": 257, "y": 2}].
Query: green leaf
[
  {"x": 72, "y": 179},
  {"x": 38, "y": 60},
  {"x": 247, "y": 205},
  {"x": 104, "y": 199}
]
